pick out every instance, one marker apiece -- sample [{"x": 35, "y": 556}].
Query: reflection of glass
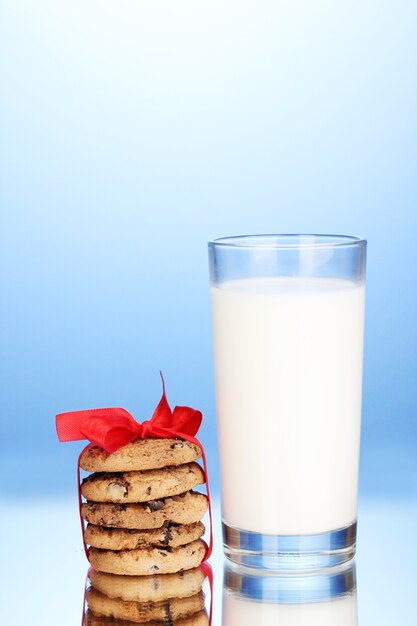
[
  {"x": 319, "y": 599},
  {"x": 165, "y": 598},
  {"x": 288, "y": 313}
]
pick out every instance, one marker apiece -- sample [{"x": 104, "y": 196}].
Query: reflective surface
[
  {"x": 324, "y": 598},
  {"x": 242, "y": 583},
  {"x": 162, "y": 599},
  {"x": 45, "y": 575}
]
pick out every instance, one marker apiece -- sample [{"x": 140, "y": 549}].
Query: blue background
[{"x": 131, "y": 133}]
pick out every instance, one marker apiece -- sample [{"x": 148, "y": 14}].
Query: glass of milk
[
  {"x": 288, "y": 318},
  {"x": 325, "y": 599}
]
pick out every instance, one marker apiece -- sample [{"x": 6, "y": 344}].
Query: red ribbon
[{"x": 113, "y": 428}]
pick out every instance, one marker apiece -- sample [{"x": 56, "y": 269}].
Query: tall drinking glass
[{"x": 288, "y": 318}]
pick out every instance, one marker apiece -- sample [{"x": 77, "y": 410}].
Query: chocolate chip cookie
[
  {"x": 142, "y": 486},
  {"x": 184, "y": 509},
  {"x": 169, "y": 535},
  {"x": 141, "y": 454},
  {"x": 145, "y": 562}
]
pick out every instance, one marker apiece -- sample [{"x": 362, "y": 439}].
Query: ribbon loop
[{"x": 103, "y": 427}]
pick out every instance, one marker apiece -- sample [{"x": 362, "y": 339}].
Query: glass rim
[{"x": 277, "y": 241}]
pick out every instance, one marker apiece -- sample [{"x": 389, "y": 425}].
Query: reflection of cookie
[
  {"x": 142, "y": 486},
  {"x": 185, "y": 509},
  {"x": 169, "y": 535},
  {"x": 149, "y": 561},
  {"x": 166, "y": 611},
  {"x": 141, "y": 454},
  {"x": 148, "y": 588},
  {"x": 199, "y": 619}
]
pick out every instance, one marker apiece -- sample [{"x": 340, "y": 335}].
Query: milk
[
  {"x": 288, "y": 372},
  {"x": 242, "y": 612}
]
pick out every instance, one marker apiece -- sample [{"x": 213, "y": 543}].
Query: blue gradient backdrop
[{"x": 131, "y": 133}]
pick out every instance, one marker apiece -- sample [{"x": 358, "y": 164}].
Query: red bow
[{"x": 113, "y": 428}]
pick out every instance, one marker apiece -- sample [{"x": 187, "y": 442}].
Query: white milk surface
[
  {"x": 288, "y": 370},
  {"x": 338, "y": 612}
]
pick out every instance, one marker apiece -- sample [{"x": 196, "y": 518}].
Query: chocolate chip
[
  {"x": 148, "y": 491},
  {"x": 167, "y": 536},
  {"x": 155, "y": 505},
  {"x": 168, "y": 615}
]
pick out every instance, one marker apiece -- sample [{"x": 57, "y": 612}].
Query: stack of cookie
[{"x": 144, "y": 521}]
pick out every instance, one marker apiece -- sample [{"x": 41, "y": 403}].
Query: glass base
[{"x": 289, "y": 553}]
